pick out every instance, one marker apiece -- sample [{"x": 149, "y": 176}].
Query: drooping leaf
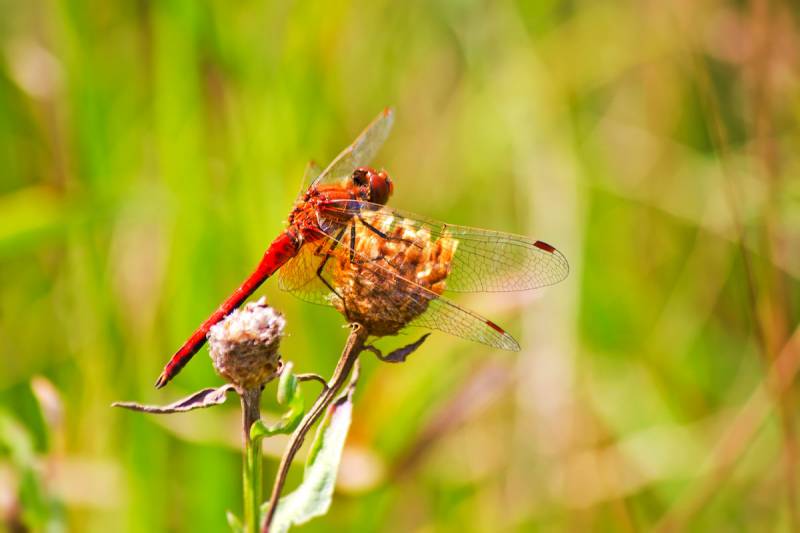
[
  {"x": 400, "y": 354},
  {"x": 200, "y": 399}
]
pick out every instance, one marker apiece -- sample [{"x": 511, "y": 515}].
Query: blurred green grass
[{"x": 151, "y": 150}]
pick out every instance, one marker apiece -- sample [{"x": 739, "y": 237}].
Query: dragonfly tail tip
[{"x": 161, "y": 381}]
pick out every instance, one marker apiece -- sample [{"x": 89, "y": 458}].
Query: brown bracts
[{"x": 391, "y": 280}]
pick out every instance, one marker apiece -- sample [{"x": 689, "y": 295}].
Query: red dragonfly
[{"x": 348, "y": 194}]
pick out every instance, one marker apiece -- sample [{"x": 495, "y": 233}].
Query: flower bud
[
  {"x": 244, "y": 346},
  {"x": 385, "y": 303}
]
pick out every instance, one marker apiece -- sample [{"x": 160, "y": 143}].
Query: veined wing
[
  {"x": 299, "y": 274},
  {"x": 389, "y": 293},
  {"x": 484, "y": 260},
  {"x": 362, "y": 151},
  {"x": 310, "y": 174}
]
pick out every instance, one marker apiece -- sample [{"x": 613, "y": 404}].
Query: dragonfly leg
[
  {"x": 352, "y": 242},
  {"x": 356, "y": 261},
  {"x": 353, "y": 247},
  {"x": 385, "y": 236},
  {"x": 375, "y": 260},
  {"x": 325, "y": 281},
  {"x": 328, "y": 255},
  {"x": 382, "y": 235},
  {"x": 399, "y": 355}
]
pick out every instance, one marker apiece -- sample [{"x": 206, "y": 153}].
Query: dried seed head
[
  {"x": 244, "y": 346},
  {"x": 384, "y": 304}
]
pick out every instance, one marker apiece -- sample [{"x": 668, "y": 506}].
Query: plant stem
[
  {"x": 252, "y": 464},
  {"x": 354, "y": 346}
]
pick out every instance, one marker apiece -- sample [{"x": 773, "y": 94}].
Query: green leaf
[
  {"x": 288, "y": 394},
  {"x": 313, "y": 497},
  {"x": 287, "y": 385}
]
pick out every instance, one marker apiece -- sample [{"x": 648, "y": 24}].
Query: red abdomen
[{"x": 279, "y": 252}]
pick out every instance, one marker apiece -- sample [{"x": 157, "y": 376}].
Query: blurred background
[{"x": 150, "y": 151}]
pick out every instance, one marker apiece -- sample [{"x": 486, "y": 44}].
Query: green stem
[
  {"x": 252, "y": 465},
  {"x": 355, "y": 345}
]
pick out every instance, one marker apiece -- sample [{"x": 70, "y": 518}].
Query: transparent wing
[
  {"x": 299, "y": 274},
  {"x": 392, "y": 295},
  {"x": 362, "y": 151},
  {"x": 449, "y": 317},
  {"x": 311, "y": 173},
  {"x": 484, "y": 260}
]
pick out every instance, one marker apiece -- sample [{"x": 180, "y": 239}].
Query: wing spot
[
  {"x": 544, "y": 246},
  {"x": 495, "y": 327}
]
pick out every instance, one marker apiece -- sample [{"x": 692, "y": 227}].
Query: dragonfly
[{"x": 347, "y": 199}]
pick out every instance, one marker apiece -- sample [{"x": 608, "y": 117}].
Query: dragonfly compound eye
[
  {"x": 360, "y": 176},
  {"x": 380, "y": 187}
]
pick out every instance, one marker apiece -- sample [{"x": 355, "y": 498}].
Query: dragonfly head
[{"x": 375, "y": 187}]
